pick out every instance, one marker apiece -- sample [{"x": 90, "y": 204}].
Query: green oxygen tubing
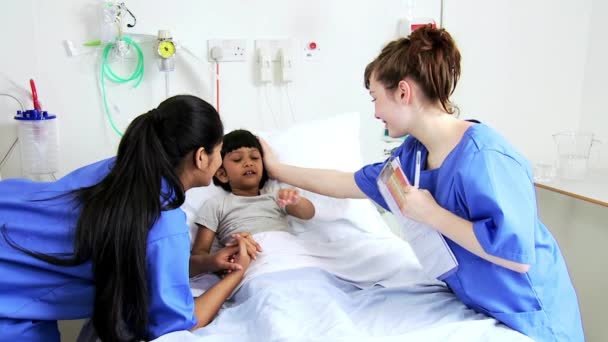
[{"x": 106, "y": 72}]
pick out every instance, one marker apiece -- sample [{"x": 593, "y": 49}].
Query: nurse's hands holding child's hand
[
  {"x": 242, "y": 258},
  {"x": 224, "y": 261},
  {"x": 253, "y": 248},
  {"x": 419, "y": 204},
  {"x": 288, "y": 197},
  {"x": 235, "y": 257}
]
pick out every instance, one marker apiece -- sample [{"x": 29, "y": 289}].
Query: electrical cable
[
  {"x": 293, "y": 115},
  {"x": 274, "y": 119},
  {"x": 5, "y": 157},
  {"x": 107, "y": 72}
]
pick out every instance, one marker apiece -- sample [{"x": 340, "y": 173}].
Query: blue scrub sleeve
[
  {"x": 501, "y": 201},
  {"x": 366, "y": 181},
  {"x": 172, "y": 304}
]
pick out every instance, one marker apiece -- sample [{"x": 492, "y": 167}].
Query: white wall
[
  {"x": 594, "y": 116},
  {"x": 523, "y": 66},
  {"x": 350, "y": 34}
]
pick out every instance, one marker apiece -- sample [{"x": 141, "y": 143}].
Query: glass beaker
[
  {"x": 573, "y": 152},
  {"x": 544, "y": 172}
]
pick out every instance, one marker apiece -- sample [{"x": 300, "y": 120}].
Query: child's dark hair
[{"x": 235, "y": 140}]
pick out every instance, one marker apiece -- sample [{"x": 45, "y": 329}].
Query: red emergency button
[{"x": 312, "y": 45}]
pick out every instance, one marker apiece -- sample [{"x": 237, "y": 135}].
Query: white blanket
[
  {"x": 310, "y": 304},
  {"x": 337, "y": 281},
  {"x": 363, "y": 259}
]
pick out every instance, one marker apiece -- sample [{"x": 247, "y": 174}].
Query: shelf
[{"x": 593, "y": 189}]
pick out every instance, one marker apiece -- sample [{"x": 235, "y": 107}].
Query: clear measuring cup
[{"x": 573, "y": 150}]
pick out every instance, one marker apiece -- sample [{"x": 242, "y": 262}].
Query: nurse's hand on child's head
[
  {"x": 419, "y": 204},
  {"x": 270, "y": 159},
  {"x": 288, "y": 197}
]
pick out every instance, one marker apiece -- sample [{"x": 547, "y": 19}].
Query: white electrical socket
[{"x": 232, "y": 50}]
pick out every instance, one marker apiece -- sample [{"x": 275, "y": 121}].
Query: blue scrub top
[
  {"x": 486, "y": 181},
  {"x": 33, "y": 290}
]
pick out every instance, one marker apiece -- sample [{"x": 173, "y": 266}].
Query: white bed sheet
[{"x": 338, "y": 281}]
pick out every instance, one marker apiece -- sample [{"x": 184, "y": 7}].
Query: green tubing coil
[{"x": 107, "y": 72}]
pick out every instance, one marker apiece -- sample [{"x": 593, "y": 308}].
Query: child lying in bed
[{"x": 245, "y": 210}]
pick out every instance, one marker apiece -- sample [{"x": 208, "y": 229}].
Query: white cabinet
[{"x": 577, "y": 215}]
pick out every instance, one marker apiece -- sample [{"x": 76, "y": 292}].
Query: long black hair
[
  {"x": 235, "y": 140},
  {"x": 118, "y": 212}
]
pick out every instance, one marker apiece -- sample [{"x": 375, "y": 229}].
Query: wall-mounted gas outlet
[
  {"x": 274, "y": 46},
  {"x": 227, "y": 50},
  {"x": 264, "y": 65}
]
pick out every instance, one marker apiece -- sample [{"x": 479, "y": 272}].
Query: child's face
[{"x": 244, "y": 168}]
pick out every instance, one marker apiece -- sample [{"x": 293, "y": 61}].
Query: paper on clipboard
[{"x": 430, "y": 247}]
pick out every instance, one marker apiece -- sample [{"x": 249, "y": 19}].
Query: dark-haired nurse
[
  {"x": 475, "y": 189},
  {"x": 109, "y": 240}
]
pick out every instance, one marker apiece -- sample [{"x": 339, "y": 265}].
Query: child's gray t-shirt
[{"x": 235, "y": 214}]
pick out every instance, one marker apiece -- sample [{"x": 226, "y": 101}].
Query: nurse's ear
[
  {"x": 201, "y": 159},
  {"x": 404, "y": 91}
]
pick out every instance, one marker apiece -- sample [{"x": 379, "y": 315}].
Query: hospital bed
[{"x": 342, "y": 276}]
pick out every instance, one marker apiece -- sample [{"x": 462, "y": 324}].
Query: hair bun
[
  {"x": 428, "y": 56},
  {"x": 429, "y": 38}
]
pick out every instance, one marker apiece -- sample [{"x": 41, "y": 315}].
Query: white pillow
[
  {"x": 195, "y": 198},
  {"x": 329, "y": 143}
]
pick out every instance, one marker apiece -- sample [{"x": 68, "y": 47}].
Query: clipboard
[{"x": 428, "y": 244}]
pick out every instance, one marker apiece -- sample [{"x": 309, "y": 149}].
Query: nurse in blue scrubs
[
  {"x": 475, "y": 189},
  {"x": 109, "y": 241}
]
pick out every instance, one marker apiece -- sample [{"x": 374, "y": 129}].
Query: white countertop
[{"x": 593, "y": 189}]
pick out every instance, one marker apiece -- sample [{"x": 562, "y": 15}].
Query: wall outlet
[{"x": 232, "y": 50}]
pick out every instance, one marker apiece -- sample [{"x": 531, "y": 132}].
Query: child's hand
[
  {"x": 253, "y": 248},
  {"x": 242, "y": 258},
  {"x": 235, "y": 257},
  {"x": 288, "y": 197}
]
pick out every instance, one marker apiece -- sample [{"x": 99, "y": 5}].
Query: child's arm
[
  {"x": 296, "y": 205},
  {"x": 208, "y": 304},
  {"x": 202, "y": 261}
]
